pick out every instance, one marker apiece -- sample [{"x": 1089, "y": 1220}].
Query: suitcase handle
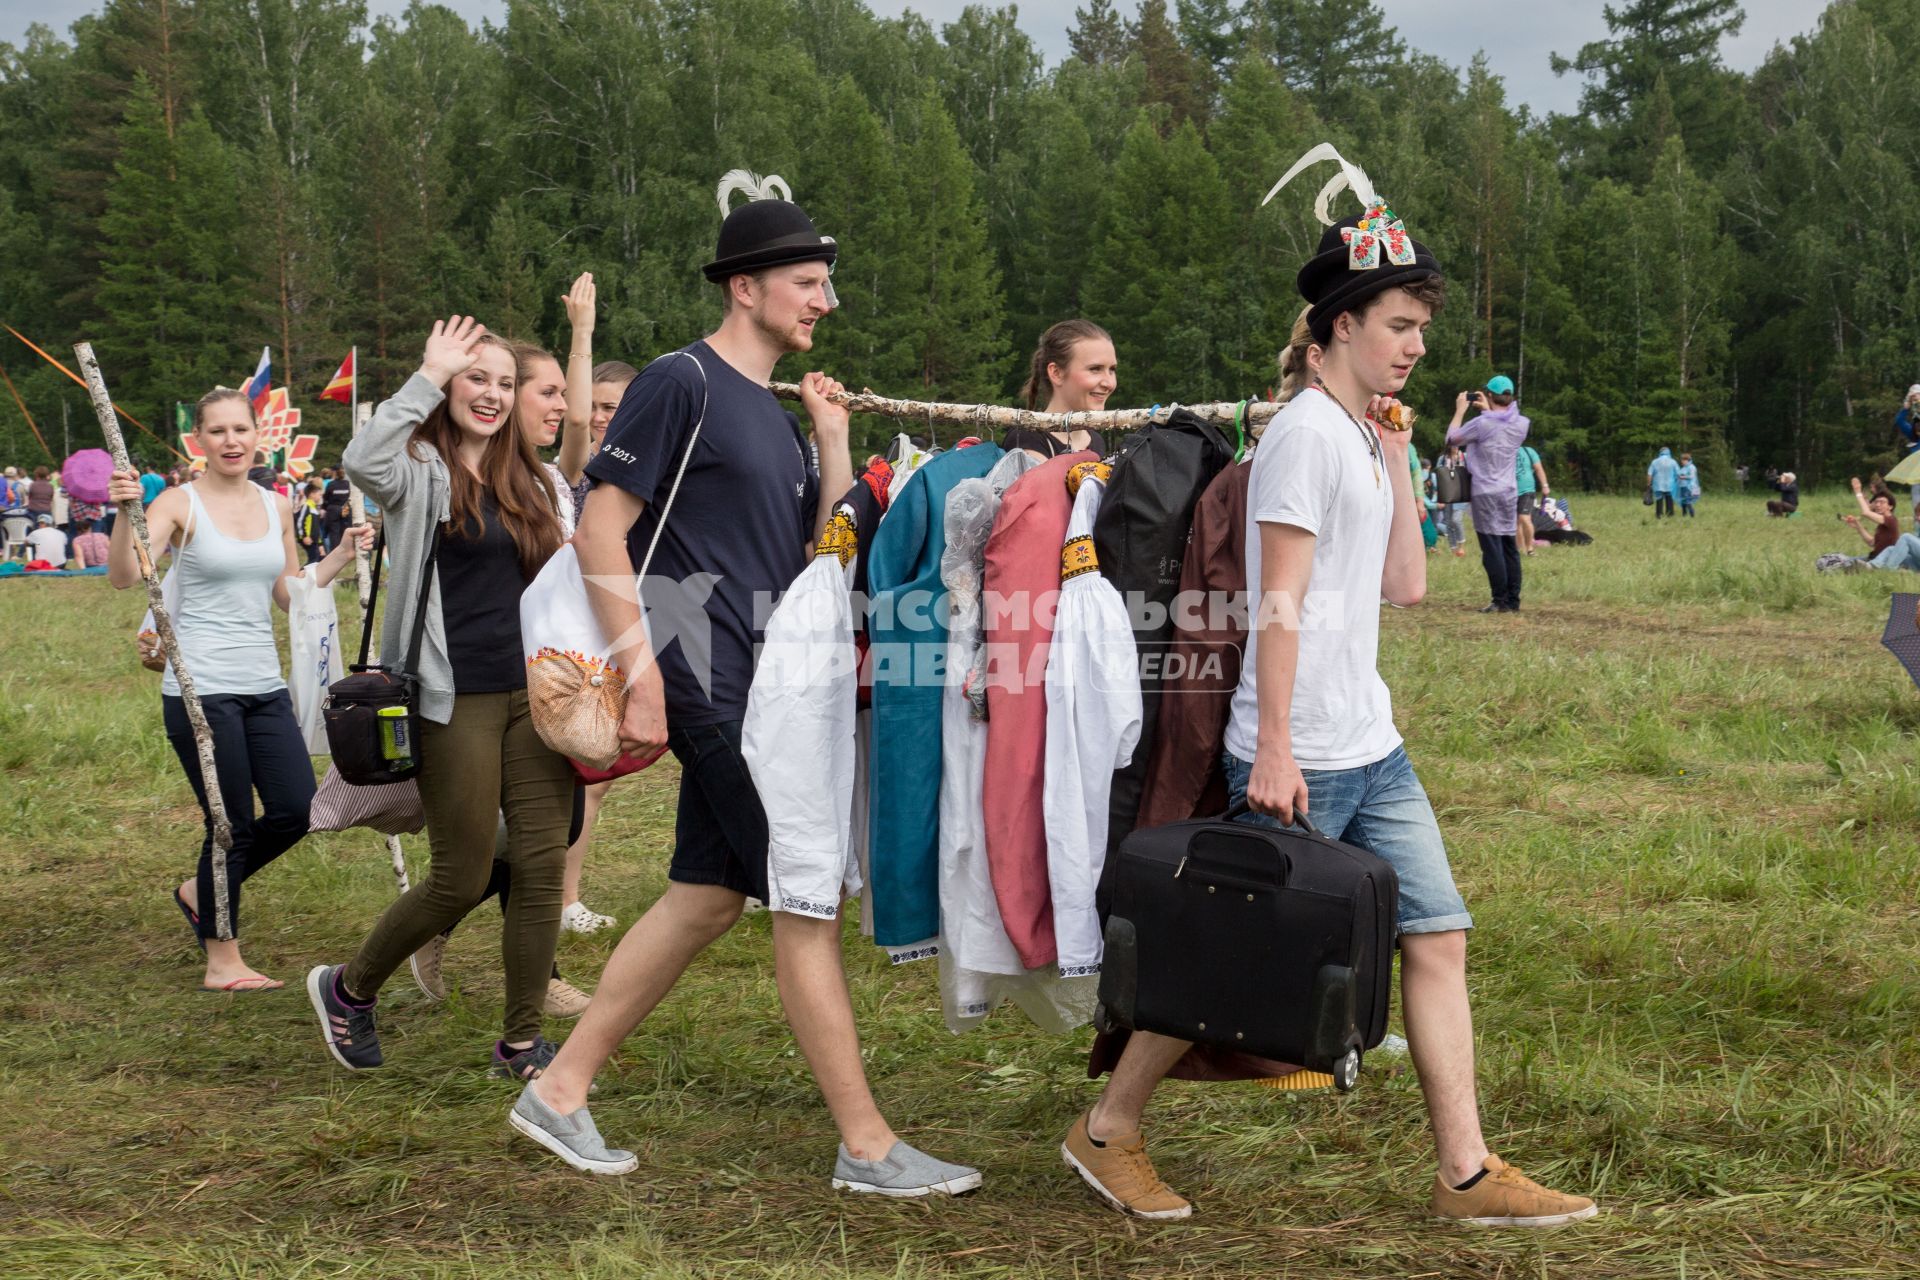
[{"x": 1240, "y": 808}]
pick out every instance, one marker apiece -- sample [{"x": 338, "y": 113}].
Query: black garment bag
[{"x": 1140, "y": 536}]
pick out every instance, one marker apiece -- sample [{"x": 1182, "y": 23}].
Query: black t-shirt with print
[{"x": 738, "y": 532}]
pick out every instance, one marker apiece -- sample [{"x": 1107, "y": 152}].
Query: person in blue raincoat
[
  {"x": 1662, "y": 478},
  {"x": 1906, "y": 423},
  {"x": 1686, "y": 484}
]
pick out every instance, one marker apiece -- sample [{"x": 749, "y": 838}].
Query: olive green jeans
[{"x": 485, "y": 761}]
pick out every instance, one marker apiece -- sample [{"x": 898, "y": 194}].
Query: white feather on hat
[
  {"x": 771, "y": 187},
  {"x": 1350, "y": 175}
]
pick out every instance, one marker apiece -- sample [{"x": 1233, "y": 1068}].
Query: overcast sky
[{"x": 1519, "y": 36}]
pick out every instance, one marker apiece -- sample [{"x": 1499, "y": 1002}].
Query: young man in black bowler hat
[
  {"x": 704, "y": 484},
  {"x": 1333, "y": 527}
]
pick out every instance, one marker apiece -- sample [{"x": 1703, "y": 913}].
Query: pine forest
[{"x": 1697, "y": 257}]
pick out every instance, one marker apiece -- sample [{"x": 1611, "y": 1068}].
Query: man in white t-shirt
[
  {"x": 1333, "y": 527},
  {"x": 48, "y": 543}
]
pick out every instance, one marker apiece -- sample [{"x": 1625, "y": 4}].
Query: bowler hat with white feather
[
  {"x": 769, "y": 230},
  {"x": 1360, "y": 256}
]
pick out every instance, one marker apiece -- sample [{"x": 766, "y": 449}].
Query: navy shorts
[{"x": 720, "y": 829}]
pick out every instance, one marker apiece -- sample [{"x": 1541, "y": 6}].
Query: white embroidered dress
[
  {"x": 1093, "y": 725},
  {"x": 798, "y": 733}
]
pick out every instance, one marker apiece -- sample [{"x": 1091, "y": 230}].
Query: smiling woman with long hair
[
  {"x": 457, "y": 468},
  {"x": 233, "y": 551}
]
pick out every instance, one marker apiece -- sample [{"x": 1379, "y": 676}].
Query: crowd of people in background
[{"x": 47, "y": 528}]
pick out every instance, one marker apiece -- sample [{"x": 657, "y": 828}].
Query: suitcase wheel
[{"x": 1346, "y": 1072}]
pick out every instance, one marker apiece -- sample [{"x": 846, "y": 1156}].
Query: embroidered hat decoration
[
  {"x": 1360, "y": 256},
  {"x": 769, "y": 230}
]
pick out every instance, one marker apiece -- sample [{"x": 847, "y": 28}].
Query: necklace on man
[{"x": 1373, "y": 445}]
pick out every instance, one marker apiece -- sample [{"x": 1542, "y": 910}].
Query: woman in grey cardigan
[{"x": 447, "y": 454}]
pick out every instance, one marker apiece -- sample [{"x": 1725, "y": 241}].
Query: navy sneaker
[
  {"x": 347, "y": 1028},
  {"x": 521, "y": 1064}
]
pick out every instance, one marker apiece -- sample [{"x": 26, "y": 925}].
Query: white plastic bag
[{"x": 313, "y": 633}]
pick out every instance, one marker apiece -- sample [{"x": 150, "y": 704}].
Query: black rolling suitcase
[{"x": 1276, "y": 942}]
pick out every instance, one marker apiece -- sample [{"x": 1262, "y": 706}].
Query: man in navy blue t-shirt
[{"x": 704, "y": 486}]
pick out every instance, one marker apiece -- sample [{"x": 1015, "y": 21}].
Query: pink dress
[{"x": 1022, "y": 590}]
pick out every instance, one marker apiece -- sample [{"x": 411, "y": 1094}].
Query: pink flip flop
[{"x": 239, "y": 987}]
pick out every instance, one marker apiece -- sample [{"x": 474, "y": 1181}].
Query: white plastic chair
[{"x": 17, "y": 528}]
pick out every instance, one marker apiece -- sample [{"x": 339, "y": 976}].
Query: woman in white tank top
[{"x": 233, "y": 550}]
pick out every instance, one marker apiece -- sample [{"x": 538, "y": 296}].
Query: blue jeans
[
  {"x": 1382, "y": 808},
  {"x": 1903, "y": 554}
]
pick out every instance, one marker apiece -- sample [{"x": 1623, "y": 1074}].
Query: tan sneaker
[
  {"x": 1122, "y": 1175},
  {"x": 426, "y": 967},
  {"x": 1505, "y": 1197},
  {"x": 564, "y": 1000}
]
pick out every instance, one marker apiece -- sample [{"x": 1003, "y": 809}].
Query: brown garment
[
  {"x": 1184, "y": 779},
  {"x": 1885, "y": 534}
]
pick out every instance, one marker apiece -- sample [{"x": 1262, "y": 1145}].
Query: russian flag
[{"x": 262, "y": 380}]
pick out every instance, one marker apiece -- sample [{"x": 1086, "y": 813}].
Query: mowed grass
[{"x": 1681, "y": 792}]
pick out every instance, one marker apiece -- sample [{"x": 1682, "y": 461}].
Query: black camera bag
[{"x": 370, "y": 748}]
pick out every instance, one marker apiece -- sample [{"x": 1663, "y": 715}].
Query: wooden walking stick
[
  {"x": 357, "y": 508},
  {"x": 362, "y": 559},
  {"x": 996, "y": 418},
  {"x": 170, "y": 643}
]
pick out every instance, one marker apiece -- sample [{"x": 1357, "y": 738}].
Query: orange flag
[{"x": 341, "y": 388}]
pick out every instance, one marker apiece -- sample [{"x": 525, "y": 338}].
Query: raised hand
[
  {"x": 452, "y": 348},
  {"x": 580, "y": 304}
]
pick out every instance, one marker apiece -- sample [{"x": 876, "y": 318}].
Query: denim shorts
[
  {"x": 720, "y": 830},
  {"x": 1382, "y": 808}
]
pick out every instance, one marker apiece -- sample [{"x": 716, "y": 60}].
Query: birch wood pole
[
  {"x": 169, "y": 642},
  {"x": 362, "y": 559},
  {"x": 994, "y": 418},
  {"x": 356, "y": 502}
]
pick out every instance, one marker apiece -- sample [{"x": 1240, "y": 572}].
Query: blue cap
[{"x": 1500, "y": 385}]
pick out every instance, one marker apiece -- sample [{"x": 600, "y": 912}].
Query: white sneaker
[{"x": 576, "y": 918}]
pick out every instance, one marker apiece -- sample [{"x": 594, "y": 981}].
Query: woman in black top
[
  {"x": 1074, "y": 371},
  {"x": 466, "y": 453}
]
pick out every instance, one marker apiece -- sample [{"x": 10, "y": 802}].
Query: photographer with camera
[
  {"x": 1787, "y": 485},
  {"x": 1491, "y": 442}
]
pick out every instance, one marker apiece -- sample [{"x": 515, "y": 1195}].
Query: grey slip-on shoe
[
  {"x": 903, "y": 1171},
  {"x": 572, "y": 1137}
]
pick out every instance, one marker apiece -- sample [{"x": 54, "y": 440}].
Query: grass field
[{"x": 1681, "y": 792}]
